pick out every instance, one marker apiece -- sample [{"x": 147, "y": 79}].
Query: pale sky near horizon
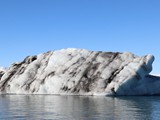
[{"x": 29, "y": 27}]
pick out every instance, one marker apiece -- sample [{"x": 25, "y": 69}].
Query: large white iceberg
[{"x": 81, "y": 72}]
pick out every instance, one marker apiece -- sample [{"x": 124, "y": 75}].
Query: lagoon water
[{"x": 41, "y": 107}]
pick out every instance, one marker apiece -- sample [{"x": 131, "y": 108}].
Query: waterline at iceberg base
[{"x": 81, "y": 72}]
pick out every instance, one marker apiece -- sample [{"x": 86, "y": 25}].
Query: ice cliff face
[{"x": 80, "y": 72}]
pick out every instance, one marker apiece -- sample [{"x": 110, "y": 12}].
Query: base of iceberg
[{"x": 81, "y": 72}]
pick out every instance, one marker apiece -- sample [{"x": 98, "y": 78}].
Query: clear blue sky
[{"x": 29, "y": 27}]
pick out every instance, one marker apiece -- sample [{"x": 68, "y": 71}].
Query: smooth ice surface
[{"x": 81, "y": 72}]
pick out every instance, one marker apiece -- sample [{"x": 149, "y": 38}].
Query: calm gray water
[{"x": 35, "y": 107}]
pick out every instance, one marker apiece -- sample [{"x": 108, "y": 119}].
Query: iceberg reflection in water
[{"x": 34, "y": 107}]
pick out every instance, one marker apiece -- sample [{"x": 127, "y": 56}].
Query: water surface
[{"x": 35, "y": 107}]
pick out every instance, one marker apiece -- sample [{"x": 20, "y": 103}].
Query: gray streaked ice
[{"x": 81, "y": 72}]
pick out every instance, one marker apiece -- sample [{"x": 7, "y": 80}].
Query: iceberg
[{"x": 81, "y": 72}]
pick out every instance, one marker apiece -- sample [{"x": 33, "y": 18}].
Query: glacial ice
[{"x": 81, "y": 72}]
